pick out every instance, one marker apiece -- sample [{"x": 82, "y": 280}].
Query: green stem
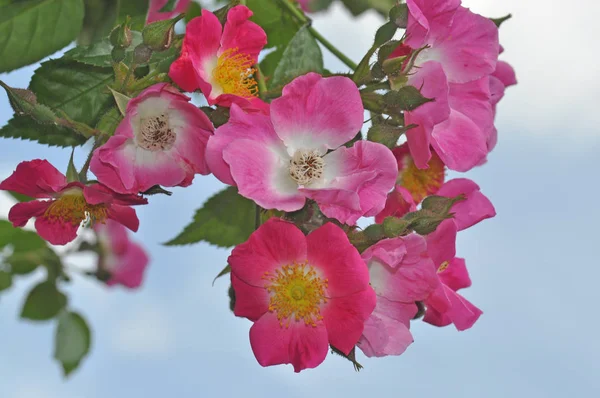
[
  {"x": 326, "y": 43},
  {"x": 86, "y": 166}
]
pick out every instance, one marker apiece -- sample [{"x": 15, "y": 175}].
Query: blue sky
[{"x": 534, "y": 267}]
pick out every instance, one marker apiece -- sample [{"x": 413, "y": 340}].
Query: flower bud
[
  {"x": 120, "y": 37},
  {"x": 117, "y": 54},
  {"x": 159, "y": 35}
]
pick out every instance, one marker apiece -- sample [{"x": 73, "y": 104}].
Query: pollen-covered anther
[
  {"x": 74, "y": 209},
  {"x": 422, "y": 182},
  {"x": 235, "y": 74},
  {"x": 306, "y": 167},
  {"x": 297, "y": 293},
  {"x": 155, "y": 133},
  {"x": 443, "y": 267}
]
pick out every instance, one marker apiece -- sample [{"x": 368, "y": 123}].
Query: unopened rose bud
[
  {"x": 159, "y": 35},
  {"x": 120, "y": 37}
]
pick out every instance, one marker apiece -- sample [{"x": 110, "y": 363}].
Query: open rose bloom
[
  {"x": 65, "y": 206},
  {"x": 124, "y": 260},
  {"x": 401, "y": 273},
  {"x": 303, "y": 293},
  {"x": 297, "y": 152},
  {"x": 220, "y": 60},
  {"x": 455, "y": 53},
  {"x": 161, "y": 141}
]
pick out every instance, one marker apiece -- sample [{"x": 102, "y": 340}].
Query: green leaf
[
  {"x": 72, "y": 174},
  {"x": 194, "y": 10},
  {"x": 121, "y": 100},
  {"x": 226, "y": 220},
  {"x": 20, "y": 239},
  {"x": 33, "y": 29},
  {"x": 301, "y": 56},
  {"x": 43, "y": 302},
  {"x": 5, "y": 280},
  {"x": 100, "y": 18},
  {"x": 24, "y": 102},
  {"x": 408, "y": 98},
  {"x": 279, "y": 27},
  {"x": 109, "y": 121},
  {"x": 136, "y": 9},
  {"x": 501, "y": 20},
  {"x": 77, "y": 89},
  {"x": 99, "y": 54},
  {"x": 223, "y": 272},
  {"x": 386, "y": 134},
  {"x": 72, "y": 341},
  {"x": 19, "y": 196},
  {"x": 25, "y": 128}
]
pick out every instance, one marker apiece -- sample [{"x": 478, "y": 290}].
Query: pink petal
[
  {"x": 441, "y": 244},
  {"x": 22, "y": 212},
  {"x": 456, "y": 275},
  {"x": 114, "y": 235},
  {"x": 462, "y": 313},
  {"x": 367, "y": 171},
  {"x": 427, "y": 15},
  {"x": 192, "y": 137},
  {"x": 155, "y": 5},
  {"x": 505, "y": 73},
  {"x": 201, "y": 43},
  {"x": 56, "y": 232},
  {"x": 303, "y": 346},
  {"x": 398, "y": 203},
  {"x": 36, "y": 178},
  {"x": 468, "y": 49},
  {"x": 345, "y": 316},
  {"x": 384, "y": 334},
  {"x": 242, "y": 34},
  {"x": 254, "y": 126},
  {"x": 132, "y": 265},
  {"x": 261, "y": 174},
  {"x": 431, "y": 80},
  {"x": 408, "y": 278},
  {"x": 472, "y": 99},
  {"x": 459, "y": 142},
  {"x": 124, "y": 215},
  {"x": 343, "y": 205},
  {"x": 331, "y": 252},
  {"x": 477, "y": 207},
  {"x": 317, "y": 113},
  {"x": 250, "y": 302},
  {"x": 117, "y": 178},
  {"x": 273, "y": 244}
]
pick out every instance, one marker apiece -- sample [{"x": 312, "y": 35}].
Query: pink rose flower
[
  {"x": 124, "y": 260},
  {"x": 454, "y": 69},
  {"x": 161, "y": 141},
  {"x": 445, "y": 305},
  {"x": 69, "y": 204},
  {"x": 401, "y": 273},
  {"x": 280, "y": 160},
  {"x": 219, "y": 60},
  {"x": 303, "y": 293},
  {"x": 155, "y": 5}
]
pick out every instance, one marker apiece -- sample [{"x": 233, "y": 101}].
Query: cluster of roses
[{"x": 306, "y": 293}]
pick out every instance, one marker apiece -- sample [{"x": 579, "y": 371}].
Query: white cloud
[{"x": 145, "y": 331}]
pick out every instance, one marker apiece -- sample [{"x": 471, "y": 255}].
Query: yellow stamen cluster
[
  {"x": 234, "y": 72},
  {"x": 73, "y": 208},
  {"x": 297, "y": 293},
  {"x": 443, "y": 267},
  {"x": 422, "y": 182}
]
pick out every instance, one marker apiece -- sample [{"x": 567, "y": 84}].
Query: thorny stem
[{"x": 333, "y": 49}]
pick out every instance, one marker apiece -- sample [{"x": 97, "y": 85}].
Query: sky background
[{"x": 534, "y": 267}]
